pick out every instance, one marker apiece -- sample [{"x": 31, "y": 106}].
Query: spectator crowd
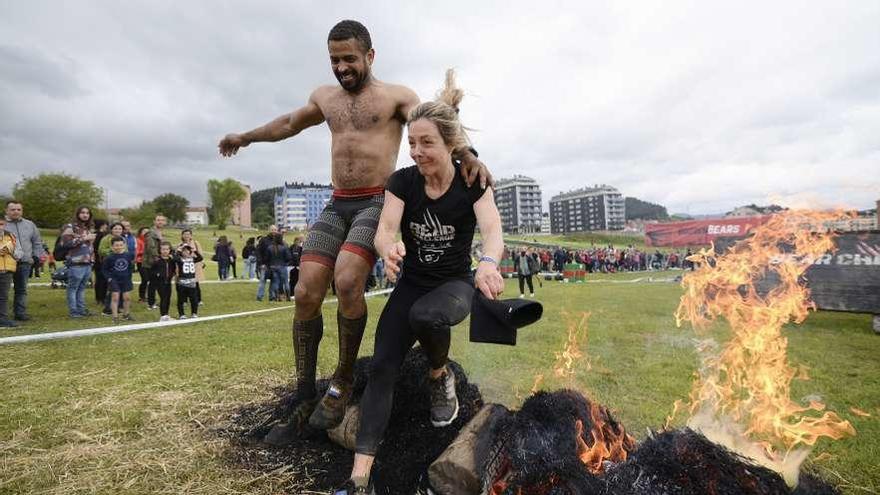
[
  {"x": 92, "y": 253},
  {"x": 605, "y": 259}
]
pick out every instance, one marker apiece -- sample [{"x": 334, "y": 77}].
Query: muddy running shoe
[
  {"x": 127, "y": 318},
  {"x": 296, "y": 427},
  {"x": 331, "y": 409},
  {"x": 350, "y": 488},
  {"x": 444, "y": 402}
]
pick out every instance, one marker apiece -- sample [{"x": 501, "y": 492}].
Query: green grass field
[{"x": 131, "y": 412}]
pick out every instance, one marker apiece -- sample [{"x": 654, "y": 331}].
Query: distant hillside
[
  {"x": 757, "y": 210},
  {"x": 264, "y": 197},
  {"x": 637, "y": 209}
]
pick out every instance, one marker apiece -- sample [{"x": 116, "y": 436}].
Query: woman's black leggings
[
  {"x": 412, "y": 313},
  {"x": 527, "y": 279}
]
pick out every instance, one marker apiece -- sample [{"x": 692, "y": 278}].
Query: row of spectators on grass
[{"x": 606, "y": 259}]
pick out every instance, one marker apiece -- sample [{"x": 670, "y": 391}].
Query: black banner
[{"x": 847, "y": 279}]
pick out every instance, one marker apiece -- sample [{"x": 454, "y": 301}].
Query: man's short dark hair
[
  {"x": 12, "y": 201},
  {"x": 347, "y": 29},
  {"x": 116, "y": 239}
]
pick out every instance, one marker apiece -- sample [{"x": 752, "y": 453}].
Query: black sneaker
[
  {"x": 22, "y": 317},
  {"x": 331, "y": 409},
  {"x": 296, "y": 427},
  {"x": 106, "y": 313},
  {"x": 8, "y": 324},
  {"x": 444, "y": 402},
  {"x": 349, "y": 488}
]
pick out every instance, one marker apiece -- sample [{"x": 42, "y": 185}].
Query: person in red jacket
[{"x": 140, "y": 242}]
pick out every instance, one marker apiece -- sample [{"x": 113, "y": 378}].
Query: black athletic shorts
[{"x": 347, "y": 223}]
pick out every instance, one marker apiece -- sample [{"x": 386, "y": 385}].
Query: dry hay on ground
[{"x": 411, "y": 443}]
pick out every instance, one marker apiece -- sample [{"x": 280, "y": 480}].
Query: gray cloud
[{"x": 700, "y": 106}]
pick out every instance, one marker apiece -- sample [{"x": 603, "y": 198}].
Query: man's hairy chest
[{"x": 358, "y": 113}]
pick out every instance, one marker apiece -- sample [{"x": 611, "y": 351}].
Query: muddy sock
[
  {"x": 351, "y": 331},
  {"x": 306, "y": 337}
]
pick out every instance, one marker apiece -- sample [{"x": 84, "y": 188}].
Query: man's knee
[
  {"x": 349, "y": 287},
  {"x": 308, "y": 295}
]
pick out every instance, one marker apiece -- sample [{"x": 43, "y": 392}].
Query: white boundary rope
[
  {"x": 19, "y": 339},
  {"x": 137, "y": 282}
]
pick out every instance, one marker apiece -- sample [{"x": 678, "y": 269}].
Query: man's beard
[{"x": 354, "y": 84}]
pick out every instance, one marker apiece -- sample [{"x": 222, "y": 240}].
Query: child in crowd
[
  {"x": 117, "y": 268},
  {"x": 163, "y": 271},
  {"x": 186, "y": 280}
]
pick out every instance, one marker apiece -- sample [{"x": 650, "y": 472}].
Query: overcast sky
[{"x": 700, "y": 106}]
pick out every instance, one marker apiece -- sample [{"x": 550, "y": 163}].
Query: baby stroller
[{"x": 59, "y": 277}]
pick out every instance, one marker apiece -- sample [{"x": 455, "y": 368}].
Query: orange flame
[
  {"x": 571, "y": 354},
  {"x": 610, "y": 441},
  {"x": 741, "y": 396}
]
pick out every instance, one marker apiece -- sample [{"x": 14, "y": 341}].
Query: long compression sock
[
  {"x": 351, "y": 331},
  {"x": 306, "y": 337}
]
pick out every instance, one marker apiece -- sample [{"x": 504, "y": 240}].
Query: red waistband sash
[{"x": 358, "y": 192}]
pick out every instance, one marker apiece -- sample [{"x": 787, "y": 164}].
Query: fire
[
  {"x": 741, "y": 398},
  {"x": 571, "y": 354},
  {"x": 610, "y": 442}
]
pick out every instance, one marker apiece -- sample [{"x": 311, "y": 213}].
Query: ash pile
[{"x": 320, "y": 463}]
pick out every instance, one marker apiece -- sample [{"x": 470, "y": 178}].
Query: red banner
[{"x": 699, "y": 232}]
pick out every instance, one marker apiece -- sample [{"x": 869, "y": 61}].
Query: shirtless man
[{"x": 366, "y": 118}]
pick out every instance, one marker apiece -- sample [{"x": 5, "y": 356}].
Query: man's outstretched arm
[{"x": 283, "y": 127}]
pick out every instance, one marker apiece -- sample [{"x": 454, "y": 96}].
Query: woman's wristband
[{"x": 488, "y": 259}]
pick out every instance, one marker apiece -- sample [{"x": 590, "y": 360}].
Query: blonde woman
[{"x": 436, "y": 213}]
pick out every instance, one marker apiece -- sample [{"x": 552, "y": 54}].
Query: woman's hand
[
  {"x": 488, "y": 279},
  {"x": 392, "y": 259}
]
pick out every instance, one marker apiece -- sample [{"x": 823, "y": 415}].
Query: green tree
[
  {"x": 264, "y": 197},
  {"x": 223, "y": 194},
  {"x": 263, "y": 217},
  {"x": 140, "y": 216},
  {"x": 172, "y": 206},
  {"x": 50, "y": 199}
]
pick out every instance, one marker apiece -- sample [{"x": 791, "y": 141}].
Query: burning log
[
  {"x": 556, "y": 443},
  {"x": 458, "y": 470}
]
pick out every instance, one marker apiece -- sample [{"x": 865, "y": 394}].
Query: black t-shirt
[{"x": 438, "y": 232}]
